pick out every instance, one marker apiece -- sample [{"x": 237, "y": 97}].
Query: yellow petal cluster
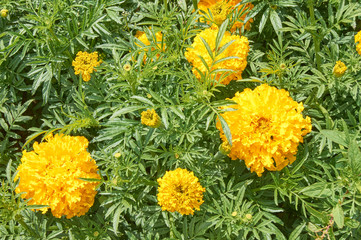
[
  {"x": 266, "y": 128},
  {"x": 151, "y": 118},
  {"x": 85, "y": 63},
  {"x": 339, "y": 69},
  {"x": 144, "y": 39},
  {"x": 4, "y": 13},
  {"x": 358, "y": 40},
  {"x": 180, "y": 191},
  {"x": 49, "y": 175},
  {"x": 239, "y": 48},
  {"x": 222, "y": 9}
]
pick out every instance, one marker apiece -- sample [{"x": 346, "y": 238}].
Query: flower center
[{"x": 262, "y": 124}]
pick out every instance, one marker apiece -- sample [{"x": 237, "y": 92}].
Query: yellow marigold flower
[
  {"x": 358, "y": 40},
  {"x": 222, "y": 9},
  {"x": 85, "y": 63},
  {"x": 151, "y": 118},
  {"x": 239, "y": 48},
  {"x": 144, "y": 39},
  {"x": 266, "y": 128},
  {"x": 4, "y": 13},
  {"x": 180, "y": 191},
  {"x": 49, "y": 175},
  {"x": 339, "y": 69}
]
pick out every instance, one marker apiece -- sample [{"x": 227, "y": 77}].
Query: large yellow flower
[
  {"x": 85, "y": 63},
  {"x": 180, "y": 191},
  {"x": 49, "y": 175},
  {"x": 358, "y": 39},
  {"x": 239, "y": 49},
  {"x": 266, "y": 128},
  {"x": 222, "y": 9}
]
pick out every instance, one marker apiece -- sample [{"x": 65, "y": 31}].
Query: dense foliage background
[{"x": 294, "y": 46}]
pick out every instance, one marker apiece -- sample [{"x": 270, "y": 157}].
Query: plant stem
[
  {"x": 316, "y": 40},
  {"x": 171, "y": 221}
]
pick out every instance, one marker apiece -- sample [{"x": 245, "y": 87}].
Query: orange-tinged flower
[
  {"x": 49, "y": 175},
  {"x": 85, "y": 63},
  {"x": 180, "y": 191},
  {"x": 221, "y": 10},
  {"x": 239, "y": 49},
  {"x": 266, "y": 128}
]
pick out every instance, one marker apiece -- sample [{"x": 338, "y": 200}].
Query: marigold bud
[
  {"x": 117, "y": 154},
  {"x": 234, "y": 214},
  {"x": 96, "y": 234},
  {"x": 127, "y": 67},
  {"x": 4, "y": 13},
  {"x": 339, "y": 69},
  {"x": 249, "y": 216},
  {"x": 225, "y": 148}
]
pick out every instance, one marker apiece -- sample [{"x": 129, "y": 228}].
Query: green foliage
[{"x": 294, "y": 46}]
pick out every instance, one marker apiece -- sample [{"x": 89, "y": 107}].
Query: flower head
[
  {"x": 85, "y": 63},
  {"x": 223, "y": 9},
  {"x": 4, "y": 13},
  {"x": 339, "y": 69},
  {"x": 144, "y": 39},
  {"x": 127, "y": 67},
  {"x": 49, "y": 175},
  {"x": 180, "y": 191},
  {"x": 239, "y": 48},
  {"x": 151, "y": 118},
  {"x": 266, "y": 128},
  {"x": 358, "y": 40}
]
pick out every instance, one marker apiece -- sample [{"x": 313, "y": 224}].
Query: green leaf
[
  {"x": 126, "y": 110},
  {"x": 226, "y": 129},
  {"x": 354, "y": 156},
  {"x": 263, "y": 20},
  {"x": 338, "y": 216},
  {"x": 317, "y": 190},
  {"x": 335, "y": 136},
  {"x": 276, "y": 21},
  {"x": 298, "y": 230}
]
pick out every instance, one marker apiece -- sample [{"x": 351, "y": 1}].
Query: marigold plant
[
  {"x": 220, "y": 10},
  {"x": 49, "y": 175},
  {"x": 339, "y": 69},
  {"x": 151, "y": 118},
  {"x": 266, "y": 128},
  {"x": 85, "y": 63},
  {"x": 180, "y": 191},
  {"x": 239, "y": 48}
]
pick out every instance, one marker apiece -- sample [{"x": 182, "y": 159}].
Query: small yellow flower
[
  {"x": 225, "y": 148},
  {"x": 283, "y": 66},
  {"x": 85, "y": 63},
  {"x": 151, "y": 118},
  {"x": 127, "y": 67},
  {"x": 339, "y": 69},
  {"x": 157, "y": 40},
  {"x": 149, "y": 96},
  {"x": 180, "y": 191},
  {"x": 358, "y": 40},
  {"x": 249, "y": 216},
  {"x": 234, "y": 214},
  {"x": 96, "y": 234},
  {"x": 117, "y": 154},
  {"x": 4, "y": 13}
]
